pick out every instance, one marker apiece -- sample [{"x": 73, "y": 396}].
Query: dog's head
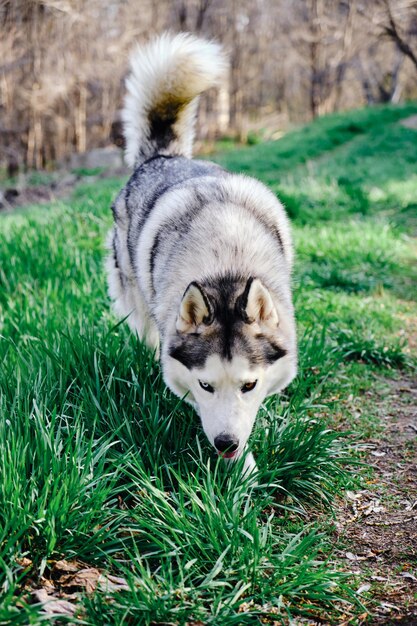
[{"x": 233, "y": 346}]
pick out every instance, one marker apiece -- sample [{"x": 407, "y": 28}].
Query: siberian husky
[{"x": 200, "y": 258}]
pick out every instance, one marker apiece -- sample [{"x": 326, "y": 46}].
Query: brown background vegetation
[{"x": 62, "y": 65}]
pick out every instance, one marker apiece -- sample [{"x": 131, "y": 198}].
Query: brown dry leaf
[
  {"x": 388, "y": 607},
  {"x": 109, "y": 583},
  {"x": 121, "y": 504},
  {"x": 372, "y": 507},
  {"x": 66, "y": 566},
  {"x": 363, "y": 616},
  {"x": 24, "y": 562},
  {"x": 86, "y": 579},
  {"x": 46, "y": 583},
  {"x": 355, "y": 557},
  {"x": 355, "y": 495},
  {"x": 245, "y": 606},
  {"x": 53, "y": 606},
  {"x": 89, "y": 579}
]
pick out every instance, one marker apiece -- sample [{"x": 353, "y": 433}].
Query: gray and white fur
[{"x": 200, "y": 260}]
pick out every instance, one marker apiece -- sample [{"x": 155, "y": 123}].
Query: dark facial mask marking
[{"x": 229, "y": 334}]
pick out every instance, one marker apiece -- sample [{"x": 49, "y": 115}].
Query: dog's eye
[
  {"x": 206, "y": 386},
  {"x": 248, "y": 387}
]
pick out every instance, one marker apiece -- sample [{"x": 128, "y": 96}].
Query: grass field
[{"x": 100, "y": 466}]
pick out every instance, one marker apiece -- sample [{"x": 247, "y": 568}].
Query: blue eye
[
  {"x": 248, "y": 386},
  {"x": 206, "y": 386}
]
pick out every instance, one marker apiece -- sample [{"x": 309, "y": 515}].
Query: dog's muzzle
[{"x": 226, "y": 445}]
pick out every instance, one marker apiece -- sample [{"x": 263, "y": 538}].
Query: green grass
[{"x": 100, "y": 462}]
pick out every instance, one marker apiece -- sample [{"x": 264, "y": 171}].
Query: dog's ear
[
  {"x": 195, "y": 310},
  {"x": 255, "y": 305}
]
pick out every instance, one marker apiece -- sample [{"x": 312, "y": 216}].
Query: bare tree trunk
[
  {"x": 81, "y": 121},
  {"x": 201, "y": 12},
  {"x": 38, "y": 142},
  {"x": 182, "y": 14},
  {"x": 395, "y": 87},
  {"x": 30, "y": 151},
  {"x": 223, "y": 108},
  {"x": 235, "y": 77},
  {"x": 314, "y": 59},
  {"x": 344, "y": 57},
  {"x": 392, "y": 30}
]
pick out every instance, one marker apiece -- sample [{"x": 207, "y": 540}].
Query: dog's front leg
[{"x": 249, "y": 465}]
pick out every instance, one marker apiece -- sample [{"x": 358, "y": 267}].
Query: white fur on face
[{"x": 228, "y": 410}]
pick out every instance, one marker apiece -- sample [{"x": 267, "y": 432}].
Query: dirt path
[
  {"x": 409, "y": 122},
  {"x": 379, "y": 525}
]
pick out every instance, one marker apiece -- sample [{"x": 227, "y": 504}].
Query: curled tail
[{"x": 167, "y": 76}]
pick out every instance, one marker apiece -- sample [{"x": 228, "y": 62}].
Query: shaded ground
[
  {"x": 17, "y": 196},
  {"x": 379, "y": 524},
  {"x": 50, "y": 187}
]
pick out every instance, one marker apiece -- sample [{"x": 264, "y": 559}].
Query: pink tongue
[{"x": 227, "y": 455}]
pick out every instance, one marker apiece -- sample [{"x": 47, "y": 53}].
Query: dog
[{"x": 200, "y": 258}]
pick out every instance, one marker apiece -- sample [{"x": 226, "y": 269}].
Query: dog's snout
[{"x": 226, "y": 443}]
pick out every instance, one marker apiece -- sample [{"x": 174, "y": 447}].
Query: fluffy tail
[{"x": 167, "y": 76}]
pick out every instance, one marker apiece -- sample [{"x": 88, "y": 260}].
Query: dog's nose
[{"x": 226, "y": 443}]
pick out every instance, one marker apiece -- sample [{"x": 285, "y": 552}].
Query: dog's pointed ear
[
  {"x": 195, "y": 310},
  {"x": 255, "y": 305}
]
